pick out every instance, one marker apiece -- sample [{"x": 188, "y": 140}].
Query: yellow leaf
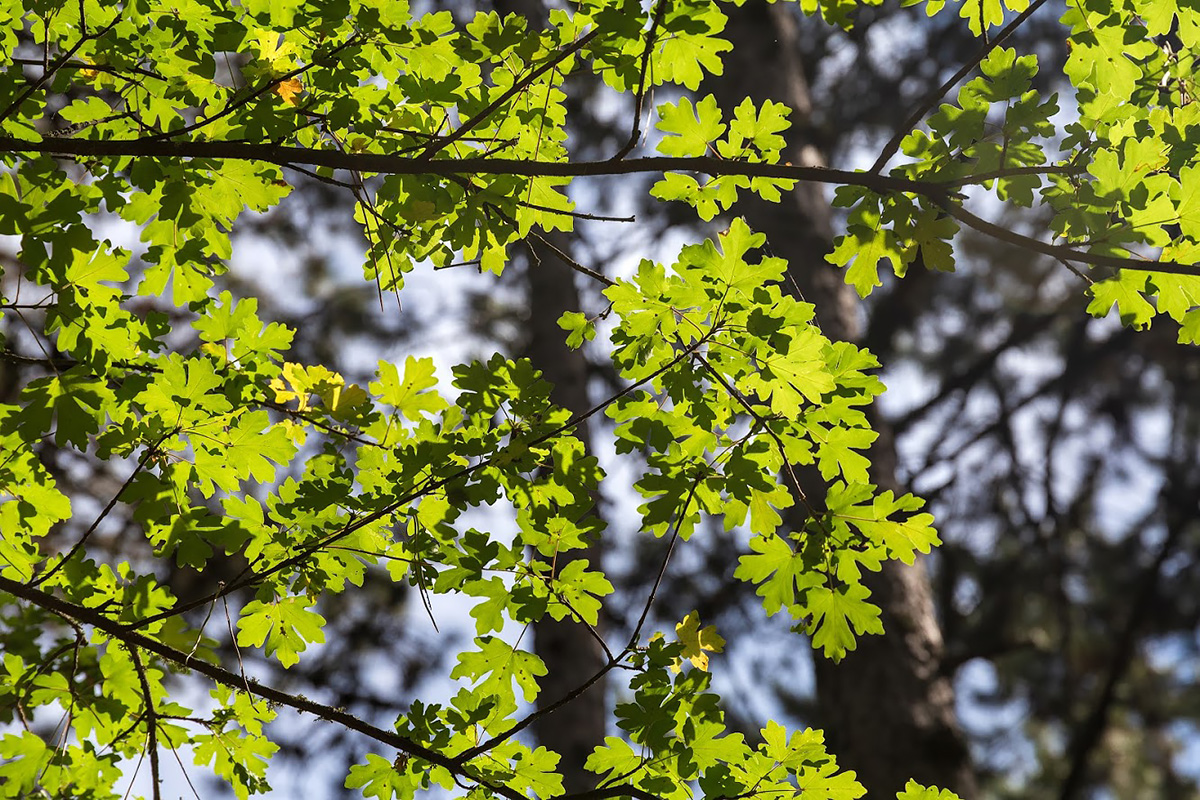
[
  {"x": 274, "y": 50},
  {"x": 698, "y": 642},
  {"x": 293, "y": 386},
  {"x": 294, "y": 431},
  {"x": 217, "y": 351},
  {"x": 289, "y": 90}
]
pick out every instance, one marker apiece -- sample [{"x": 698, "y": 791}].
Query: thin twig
[
  {"x": 433, "y": 148},
  {"x": 83, "y": 65},
  {"x": 151, "y": 721},
  {"x": 1012, "y": 172},
  {"x": 570, "y": 262},
  {"x": 613, "y": 661},
  {"x": 662, "y": 569},
  {"x": 266, "y": 87},
  {"x": 610, "y": 792},
  {"x": 765, "y": 424},
  {"x": 640, "y": 98},
  {"x": 934, "y": 96},
  {"x": 146, "y": 456},
  {"x": 575, "y": 214},
  {"x": 1063, "y": 252},
  {"x": 316, "y": 423},
  {"x": 49, "y": 70},
  {"x": 541, "y": 712},
  {"x": 131, "y": 638},
  {"x": 183, "y": 769},
  {"x": 423, "y": 490},
  {"x": 316, "y": 176}
]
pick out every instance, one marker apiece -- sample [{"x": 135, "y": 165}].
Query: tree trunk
[
  {"x": 569, "y": 649},
  {"x": 887, "y": 710}
]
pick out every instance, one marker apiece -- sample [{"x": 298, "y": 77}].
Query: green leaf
[
  {"x": 778, "y": 568},
  {"x": 1126, "y": 293},
  {"x": 759, "y": 131},
  {"x": 409, "y": 396},
  {"x": 915, "y": 791},
  {"x": 836, "y": 453},
  {"x": 835, "y": 613},
  {"x": 285, "y": 626},
  {"x": 827, "y": 783},
  {"x": 615, "y": 758},
  {"x": 579, "y": 327},
  {"x": 693, "y": 128},
  {"x": 692, "y": 50},
  {"x": 866, "y": 243},
  {"x": 496, "y": 666},
  {"x": 377, "y": 778}
]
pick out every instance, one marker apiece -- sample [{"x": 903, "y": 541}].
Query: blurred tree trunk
[
  {"x": 887, "y": 710},
  {"x": 569, "y": 649}
]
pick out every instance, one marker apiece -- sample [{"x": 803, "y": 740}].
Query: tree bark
[{"x": 887, "y": 710}]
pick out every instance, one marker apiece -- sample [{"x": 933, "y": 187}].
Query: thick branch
[
  {"x": 404, "y": 165},
  {"x": 941, "y": 193},
  {"x": 1063, "y": 252}
]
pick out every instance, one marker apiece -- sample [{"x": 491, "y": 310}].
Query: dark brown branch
[
  {"x": 610, "y": 792},
  {"x": 575, "y": 214},
  {"x": 399, "y": 165},
  {"x": 133, "y": 639},
  {"x": 84, "y": 66},
  {"x": 570, "y": 262},
  {"x": 49, "y": 363},
  {"x": 68, "y": 363},
  {"x": 41, "y": 306},
  {"x": 1012, "y": 172},
  {"x": 934, "y": 96},
  {"x": 1063, "y": 252},
  {"x": 942, "y": 194},
  {"x": 332, "y": 430}
]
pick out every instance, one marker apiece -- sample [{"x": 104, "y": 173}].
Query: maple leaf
[
  {"x": 697, "y": 642},
  {"x": 915, "y": 791},
  {"x": 289, "y": 90}
]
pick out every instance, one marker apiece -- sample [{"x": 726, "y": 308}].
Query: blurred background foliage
[{"x": 1059, "y": 454}]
